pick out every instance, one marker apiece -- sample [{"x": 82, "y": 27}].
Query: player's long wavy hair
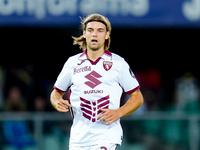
[{"x": 93, "y": 17}]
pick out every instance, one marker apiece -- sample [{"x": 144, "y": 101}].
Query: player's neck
[{"x": 94, "y": 55}]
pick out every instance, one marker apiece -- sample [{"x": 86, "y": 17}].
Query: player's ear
[
  {"x": 84, "y": 33},
  {"x": 107, "y": 35}
]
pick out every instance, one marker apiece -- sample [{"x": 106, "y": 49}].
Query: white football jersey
[{"x": 95, "y": 85}]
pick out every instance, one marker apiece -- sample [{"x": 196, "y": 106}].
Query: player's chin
[{"x": 94, "y": 47}]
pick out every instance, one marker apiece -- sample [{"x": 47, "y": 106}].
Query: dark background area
[{"x": 171, "y": 51}]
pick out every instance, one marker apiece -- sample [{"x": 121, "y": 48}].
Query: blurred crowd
[{"x": 23, "y": 89}]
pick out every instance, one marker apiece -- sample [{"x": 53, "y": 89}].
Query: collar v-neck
[{"x": 107, "y": 56}]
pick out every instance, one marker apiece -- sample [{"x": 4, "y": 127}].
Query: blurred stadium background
[{"x": 160, "y": 41}]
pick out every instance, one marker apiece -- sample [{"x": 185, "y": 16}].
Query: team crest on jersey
[{"x": 107, "y": 65}]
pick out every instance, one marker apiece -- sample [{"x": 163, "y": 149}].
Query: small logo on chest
[
  {"x": 107, "y": 65},
  {"x": 83, "y": 69}
]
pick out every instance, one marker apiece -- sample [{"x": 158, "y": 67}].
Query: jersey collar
[
  {"x": 106, "y": 56},
  {"x": 83, "y": 56}
]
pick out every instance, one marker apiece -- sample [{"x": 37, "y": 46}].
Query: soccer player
[{"x": 96, "y": 79}]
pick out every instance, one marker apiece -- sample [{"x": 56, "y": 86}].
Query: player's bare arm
[
  {"x": 58, "y": 102},
  {"x": 110, "y": 116}
]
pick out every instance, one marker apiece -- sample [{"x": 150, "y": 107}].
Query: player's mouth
[{"x": 94, "y": 41}]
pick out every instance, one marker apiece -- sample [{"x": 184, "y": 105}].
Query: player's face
[{"x": 95, "y": 35}]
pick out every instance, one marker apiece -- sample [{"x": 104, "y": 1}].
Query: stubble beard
[{"x": 95, "y": 48}]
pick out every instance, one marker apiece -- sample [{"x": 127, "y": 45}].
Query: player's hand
[
  {"x": 109, "y": 116},
  {"x": 63, "y": 105}
]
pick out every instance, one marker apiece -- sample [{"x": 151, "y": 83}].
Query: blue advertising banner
[{"x": 130, "y": 13}]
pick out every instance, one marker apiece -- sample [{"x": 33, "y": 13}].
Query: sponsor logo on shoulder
[{"x": 131, "y": 72}]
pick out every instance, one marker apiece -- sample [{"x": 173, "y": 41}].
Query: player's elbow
[
  {"x": 141, "y": 100},
  {"x": 52, "y": 95},
  {"x": 137, "y": 97}
]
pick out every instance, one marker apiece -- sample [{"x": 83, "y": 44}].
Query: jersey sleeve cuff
[
  {"x": 133, "y": 90},
  {"x": 57, "y": 89}
]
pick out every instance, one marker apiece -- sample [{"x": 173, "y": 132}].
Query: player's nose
[{"x": 94, "y": 33}]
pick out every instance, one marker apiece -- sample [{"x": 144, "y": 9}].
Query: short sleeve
[
  {"x": 127, "y": 79},
  {"x": 64, "y": 79}
]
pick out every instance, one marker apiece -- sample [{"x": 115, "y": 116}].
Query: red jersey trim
[
  {"x": 133, "y": 90},
  {"x": 95, "y": 62},
  {"x": 84, "y": 52},
  {"x": 107, "y": 52},
  {"x": 59, "y": 90}
]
